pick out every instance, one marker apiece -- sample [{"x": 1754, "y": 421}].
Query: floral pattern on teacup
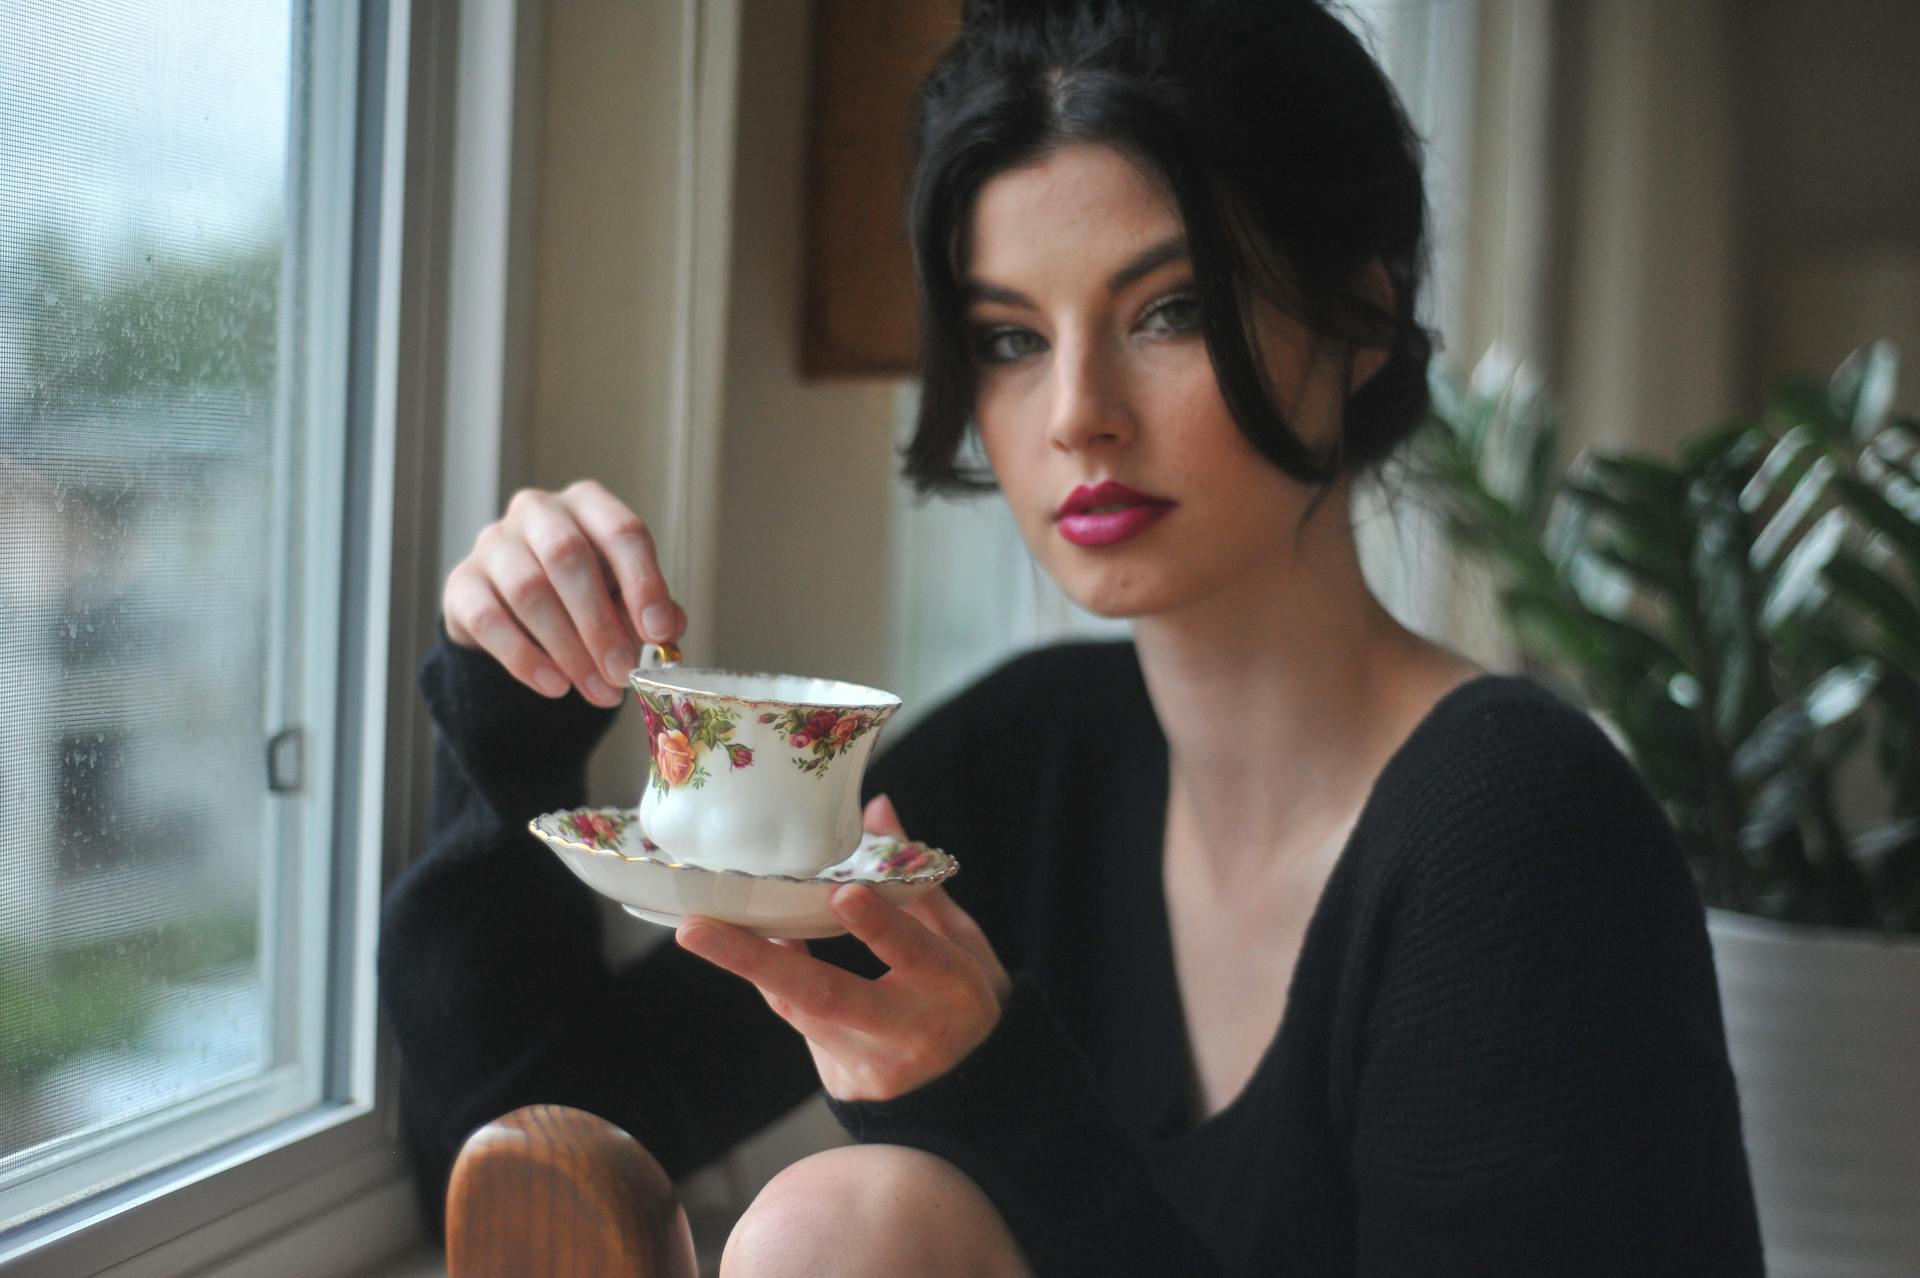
[
  {"x": 600, "y": 829},
  {"x": 822, "y": 734},
  {"x": 680, "y": 732}
]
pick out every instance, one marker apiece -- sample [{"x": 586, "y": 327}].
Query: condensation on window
[{"x": 143, "y": 246}]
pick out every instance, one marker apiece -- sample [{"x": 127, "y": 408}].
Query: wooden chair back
[{"x": 553, "y": 1192}]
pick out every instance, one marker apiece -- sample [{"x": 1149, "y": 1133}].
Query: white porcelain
[
  {"x": 755, "y": 772},
  {"x": 1823, "y": 1031},
  {"x": 605, "y": 848}
]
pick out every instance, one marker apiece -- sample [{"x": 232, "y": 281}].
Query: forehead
[{"x": 1081, "y": 204}]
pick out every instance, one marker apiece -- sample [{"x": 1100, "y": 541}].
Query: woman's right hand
[{"x": 562, "y": 590}]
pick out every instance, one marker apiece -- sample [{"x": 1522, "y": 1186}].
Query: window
[{"x": 179, "y": 874}]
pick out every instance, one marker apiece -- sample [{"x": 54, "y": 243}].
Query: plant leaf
[
  {"x": 1895, "y": 614},
  {"x": 1861, "y": 389},
  {"x": 1788, "y": 730},
  {"x": 1788, "y": 450},
  {"x": 1773, "y": 811},
  {"x": 1724, "y": 588},
  {"x": 1881, "y": 515},
  {"x": 1800, "y": 499},
  {"x": 1797, "y": 584}
]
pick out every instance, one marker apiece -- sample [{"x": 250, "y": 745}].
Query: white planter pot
[{"x": 1823, "y": 1029}]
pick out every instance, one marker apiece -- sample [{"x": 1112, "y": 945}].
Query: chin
[{"x": 1119, "y": 593}]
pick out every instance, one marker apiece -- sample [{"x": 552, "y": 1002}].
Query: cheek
[{"x": 1006, "y": 439}]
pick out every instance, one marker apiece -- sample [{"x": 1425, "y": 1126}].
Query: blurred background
[{"x": 673, "y": 265}]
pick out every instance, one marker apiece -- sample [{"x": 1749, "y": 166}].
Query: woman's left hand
[{"x": 874, "y": 1039}]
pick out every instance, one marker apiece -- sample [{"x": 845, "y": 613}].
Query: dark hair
[{"x": 1283, "y": 146}]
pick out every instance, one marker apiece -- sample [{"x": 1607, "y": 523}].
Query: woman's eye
[
  {"x": 1175, "y": 315},
  {"x": 1002, "y": 345}
]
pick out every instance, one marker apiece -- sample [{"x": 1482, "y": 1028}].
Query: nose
[{"x": 1090, "y": 405}]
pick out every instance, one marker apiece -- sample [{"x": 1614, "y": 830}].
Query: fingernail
[
  {"x": 551, "y": 682},
  {"x": 693, "y": 937},
  {"x": 853, "y": 901},
  {"x": 657, "y": 620},
  {"x": 599, "y": 690},
  {"x": 617, "y": 662}
]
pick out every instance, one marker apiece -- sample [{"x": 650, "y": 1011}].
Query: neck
[{"x": 1277, "y": 700}]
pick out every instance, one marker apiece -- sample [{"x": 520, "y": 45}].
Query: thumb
[{"x": 880, "y": 818}]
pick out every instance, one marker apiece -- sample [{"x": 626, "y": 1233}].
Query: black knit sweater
[{"x": 1501, "y": 1052}]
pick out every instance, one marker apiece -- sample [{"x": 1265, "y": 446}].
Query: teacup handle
[{"x": 653, "y": 656}]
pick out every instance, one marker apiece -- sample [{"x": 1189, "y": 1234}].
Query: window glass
[{"x": 158, "y": 895}]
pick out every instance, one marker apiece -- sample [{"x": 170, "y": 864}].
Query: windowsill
[{"x": 423, "y": 1260}]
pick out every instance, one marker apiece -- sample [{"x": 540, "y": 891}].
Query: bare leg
[{"x": 872, "y": 1209}]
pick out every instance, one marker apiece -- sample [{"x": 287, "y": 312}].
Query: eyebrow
[{"x": 1171, "y": 249}]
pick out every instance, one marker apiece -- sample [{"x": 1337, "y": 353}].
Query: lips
[{"x": 1109, "y": 512}]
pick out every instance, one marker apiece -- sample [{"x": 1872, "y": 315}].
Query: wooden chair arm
[{"x": 553, "y": 1192}]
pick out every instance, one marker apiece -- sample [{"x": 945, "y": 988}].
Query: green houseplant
[{"x": 1744, "y": 615}]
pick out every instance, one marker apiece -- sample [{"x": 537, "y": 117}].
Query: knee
[
  {"x": 868, "y": 1209},
  {"x": 804, "y": 1219}
]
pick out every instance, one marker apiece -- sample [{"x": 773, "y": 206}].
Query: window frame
[{"x": 332, "y": 1180}]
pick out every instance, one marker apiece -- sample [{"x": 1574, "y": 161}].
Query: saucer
[{"x": 605, "y": 848}]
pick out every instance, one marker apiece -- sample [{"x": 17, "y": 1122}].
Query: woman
[{"x": 1288, "y": 940}]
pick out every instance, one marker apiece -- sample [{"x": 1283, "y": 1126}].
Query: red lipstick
[{"x": 1107, "y": 513}]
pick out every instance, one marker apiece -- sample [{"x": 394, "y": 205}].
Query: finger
[
  {"x": 896, "y": 939},
  {"x": 574, "y": 567},
  {"x": 475, "y": 611},
  {"x": 942, "y": 915},
  {"x": 626, "y": 545},
  {"x": 880, "y": 817},
  {"x": 522, "y": 582},
  {"x": 809, "y": 987}
]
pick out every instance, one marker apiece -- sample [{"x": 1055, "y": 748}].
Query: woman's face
[{"x": 1092, "y": 370}]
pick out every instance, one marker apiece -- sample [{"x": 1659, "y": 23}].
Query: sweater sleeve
[
  {"x": 491, "y": 967},
  {"x": 1541, "y": 1077}
]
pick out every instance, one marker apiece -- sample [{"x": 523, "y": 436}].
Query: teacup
[{"x": 754, "y": 772}]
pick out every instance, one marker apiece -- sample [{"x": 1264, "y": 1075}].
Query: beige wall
[
  {"x": 1738, "y": 199},
  {"x": 604, "y": 299},
  {"x": 602, "y": 359},
  {"x": 1830, "y": 182},
  {"x": 806, "y": 466},
  {"x": 1644, "y": 346}
]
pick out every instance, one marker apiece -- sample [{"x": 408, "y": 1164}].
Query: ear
[{"x": 1365, "y": 361}]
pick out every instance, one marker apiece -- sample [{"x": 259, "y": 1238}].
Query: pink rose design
[
  {"x": 800, "y": 741},
  {"x": 674, "y": 755},
  {"x": 740, "y": 756},
  {"x": 689, "y": 717}
]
